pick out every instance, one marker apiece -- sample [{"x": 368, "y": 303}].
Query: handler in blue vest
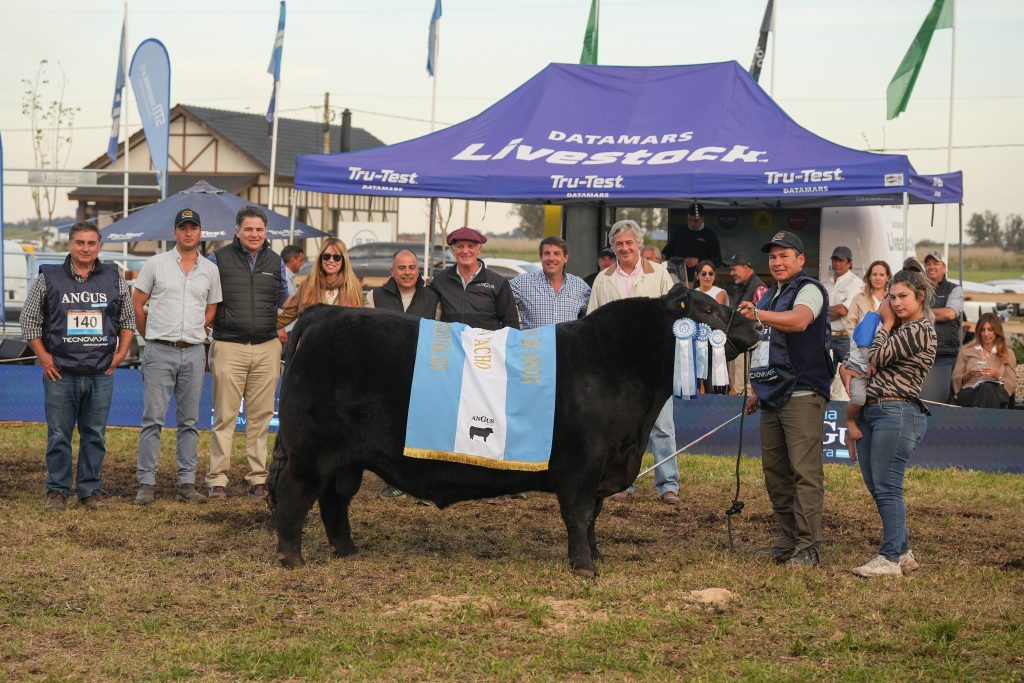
[
  {"x": 245, "y": 357},
  {"x": 791, "y": 375},
  {"x": 79, "y": 322}
]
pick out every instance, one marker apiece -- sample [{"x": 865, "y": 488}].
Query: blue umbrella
[{"x": 216, "y": 209}]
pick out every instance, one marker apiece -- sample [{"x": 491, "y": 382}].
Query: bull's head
[{"x": 741, "y": 334}]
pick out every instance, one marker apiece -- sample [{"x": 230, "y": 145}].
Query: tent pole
[
  {"x": 291, "y": 218},
  {"x": 906, "y": 221},
  {"x": 960, "y": 236},
  {"x": 428, "y": 240}
]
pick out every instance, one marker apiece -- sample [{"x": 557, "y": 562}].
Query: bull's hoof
[
  {"x": 289, "y": 561},
  {"x": 344, "y": 552},
  {"x": 585, "y": 573}
]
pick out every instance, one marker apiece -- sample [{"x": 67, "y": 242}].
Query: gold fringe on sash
[{"x": 428, "y": 454}]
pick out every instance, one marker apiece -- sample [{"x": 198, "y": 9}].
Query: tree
[
  {"x": 1013, "y": 232},
  {"x": 52, "y": 125},
  {"x": 984, "y": 229},
  {"x": 648, "y": 218},
  {"x": 531, "y": 219}
]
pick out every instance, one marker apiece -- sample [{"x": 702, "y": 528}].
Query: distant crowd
[{"x": 896, "y": 339}]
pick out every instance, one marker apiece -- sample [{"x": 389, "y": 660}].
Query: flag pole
[
  {"x": 273, "y": 149},
  {"x": 125, "y": 113},
  {"x": 435, "y": 51},
  {"x": 771, "y": 90},
  {"x": 949, "y": 138},
  {"x": 275, "y": 70}
]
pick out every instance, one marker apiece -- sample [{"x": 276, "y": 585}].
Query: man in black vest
[
  {"x": 948, "y": 307},
  {"x": 748, "y": 288},
  {"x": 245, "y": 358},
  {"x": 79, "y": 322},
  {"x": 404, "y": 292},
  {"x": 791, "y": 375}
]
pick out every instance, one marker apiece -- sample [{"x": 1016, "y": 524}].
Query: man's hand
[
  {"x": 746, "y": 309},
  {"x": 750, "y": 407},
  {"x": 283, "y": 336},
  {"x": 49, "y": 367}
]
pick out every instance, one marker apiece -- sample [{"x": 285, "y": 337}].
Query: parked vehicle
[
  {"x": 510, "y": 267},
  {"x": 1014, "y": 285}
]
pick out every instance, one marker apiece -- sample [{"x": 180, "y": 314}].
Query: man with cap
[
  {"x": 79, "y": 324},
  {"x": 471, "y": 294},
  {"x": 552, "y": 295},
  {"x": 694, "y": 243},
  {"x": 634, "y": 276},
  {"x": 791, "y": 376},
  {"x": 605, "y": 259},
  {"x": 842, "y": 288},
  {"x": 748, "y": 288},
  {"x": 948, "y": 307},
  {"x": 175, "y": 300},
  {"x": 245, "y": 357}
]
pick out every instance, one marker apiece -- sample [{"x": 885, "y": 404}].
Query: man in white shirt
[
  {"x": 633, "y": 276},
  {"x": 842, "y": 288}
]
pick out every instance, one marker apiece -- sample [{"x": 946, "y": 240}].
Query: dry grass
[{"x": 175, "y": 592}]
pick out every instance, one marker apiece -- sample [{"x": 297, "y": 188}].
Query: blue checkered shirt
[{"x": 539, "y": 305}]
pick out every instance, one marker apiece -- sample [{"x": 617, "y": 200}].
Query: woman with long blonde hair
[{"x": 331, "y": 282}]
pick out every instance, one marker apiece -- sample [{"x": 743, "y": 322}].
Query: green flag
[
  {"x": 902, "y": 84},
  {"x": 589, "y": 54}
]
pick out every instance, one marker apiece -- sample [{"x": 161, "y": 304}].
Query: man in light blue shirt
[{"x": 552, "y": 295}]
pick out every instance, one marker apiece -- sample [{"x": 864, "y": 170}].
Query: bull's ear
[{"x": 678, "y": 299}]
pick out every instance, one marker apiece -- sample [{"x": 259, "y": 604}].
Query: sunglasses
[
  {"x": 332, "y": 257},
  {"x": 707, "y": 274}
]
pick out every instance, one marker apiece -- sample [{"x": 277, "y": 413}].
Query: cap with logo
[
  {"x": 186, "y": 216},
  {"x": 696, "y": 209},
  {"x": 741, "y": 260},
  {"x": 466, "y": 235},
  {"x": 842, "y": 253},
  {"x": 937, "y": 255},
  {"x": 784, "y": 238},
  {"x": 913, "y": 264}
]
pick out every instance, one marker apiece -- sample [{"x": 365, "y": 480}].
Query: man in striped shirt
[{"x": 553, "y": 295}]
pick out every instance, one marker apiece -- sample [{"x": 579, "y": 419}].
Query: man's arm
[
  {"x": 953, "y": 308},
  {"x": 45, "y": 359},
  {"x": 211, "y": 313},
  {"x": 124, "y": 344},
  {"x": 139, "y": 301}
]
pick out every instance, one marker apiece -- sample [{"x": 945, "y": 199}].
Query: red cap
[{"x": 467, "y": 234}]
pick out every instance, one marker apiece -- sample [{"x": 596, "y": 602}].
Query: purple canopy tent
[{"x": 631, "y": 136}]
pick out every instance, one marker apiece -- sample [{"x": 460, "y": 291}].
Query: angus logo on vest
[{"x": 84, "y": 298}]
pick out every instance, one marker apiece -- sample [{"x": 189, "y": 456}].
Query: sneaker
[
  {"x": 216, "y": 492},
  {"x": 670, "y": 498},
  {"x": 778, "y": 554},
  {"x": 259, "y": 491},
  {"x": 55, "y": 501},
  {"x": 187, "y": 494},
  {"x": 908, "y": 563},
  {"x": 92, "y": 502},
  {"x": 807, "y": 557},
  {"x": 878, "y": 567},
  {"x": 146, "y": 495},
  {"x": 391, "y": 492}
]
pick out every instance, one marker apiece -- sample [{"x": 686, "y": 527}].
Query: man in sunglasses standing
[{"x": 245, "y": 358}]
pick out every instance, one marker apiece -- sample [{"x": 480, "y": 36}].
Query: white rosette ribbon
[
  {"x": 700, "y": 347},
  {"x": 684, "y": 377},
  {"x": 719, "y": 371}
]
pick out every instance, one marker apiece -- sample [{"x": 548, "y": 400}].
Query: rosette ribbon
[
  {"x": 719, "y": 371},
  {"x": 700, "y": 348},
  {"x": 684, "y": 376}
]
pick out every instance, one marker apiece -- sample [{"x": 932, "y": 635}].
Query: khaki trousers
[
  {"x": 737, "y": 376},
  {"x": 793, "y": 471},
  {"x": 249, "y": 372}
]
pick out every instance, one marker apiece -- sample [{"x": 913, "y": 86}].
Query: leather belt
[
  {"x": 840, "y": 334},
  {"x": 173, "y": 345},
  {"x": 885, "y": 399}
]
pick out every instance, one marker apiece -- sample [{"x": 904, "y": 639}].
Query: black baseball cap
[
  {"x": 695, "y": 209},
  {"x": 187, "y": 216},
  {"x": 784, "y": 238},
  {"x": 843, "y": 253},
  {"x": 607, "y": 251},
  {"x": 741, "y": 260}
]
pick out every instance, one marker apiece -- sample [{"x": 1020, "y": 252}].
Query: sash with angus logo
[{"x": 483, "y": 397}]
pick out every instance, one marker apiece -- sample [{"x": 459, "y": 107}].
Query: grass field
[{"x": 481, "y": 592}]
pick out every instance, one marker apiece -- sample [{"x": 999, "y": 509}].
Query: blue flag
[
  {"x": 150, "y": 72},
  {"x": 435, "y": 19},
  {"x": 115, "y": 110},
  {"x": 275, "y": 64}
]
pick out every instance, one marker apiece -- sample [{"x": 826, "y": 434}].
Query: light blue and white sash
[{"x": 483, "y": 397}]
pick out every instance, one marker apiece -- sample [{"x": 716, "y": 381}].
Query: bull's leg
[
  {"x": 294, "y": 498},
  {"x": 591, "y": 533},
  {"x": 578, "y": 514},
  {"x": 334, "y": 502}
]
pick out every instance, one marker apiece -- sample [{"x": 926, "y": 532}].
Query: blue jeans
[
  {"x": 83, "y": 400},
  {"x": 662, "y": 443},
  {"x": 892, "y": 430},
  {"x": 166, "y": 370}
]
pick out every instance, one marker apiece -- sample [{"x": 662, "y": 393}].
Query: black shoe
[
  {"x": 777, "y": 554},
  {"x": 391, "y": 492},
  {"x": 808, "y": 557}
]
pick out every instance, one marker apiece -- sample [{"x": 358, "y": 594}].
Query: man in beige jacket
[{"x": 633, "y": 276}]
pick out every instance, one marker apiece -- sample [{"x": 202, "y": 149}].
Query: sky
[{"x": 832, "y": 63}]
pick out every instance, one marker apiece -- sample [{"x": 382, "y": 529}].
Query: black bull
[{"x": 344, "y": 406}]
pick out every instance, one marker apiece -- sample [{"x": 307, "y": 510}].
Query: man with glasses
[
  {"x": 175, "y": 299},
  {"x": 245, "y": 358}
]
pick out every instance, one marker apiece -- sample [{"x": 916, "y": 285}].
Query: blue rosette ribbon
[
  {"x": 700, "y": 347},
  {"x": 719, "y": 369},
  {"x": 684, "y": 376}
]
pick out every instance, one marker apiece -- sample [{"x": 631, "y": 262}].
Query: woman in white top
[
  {"x": 876, "y": 286},
  {"x": 706, "y": 282}
]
